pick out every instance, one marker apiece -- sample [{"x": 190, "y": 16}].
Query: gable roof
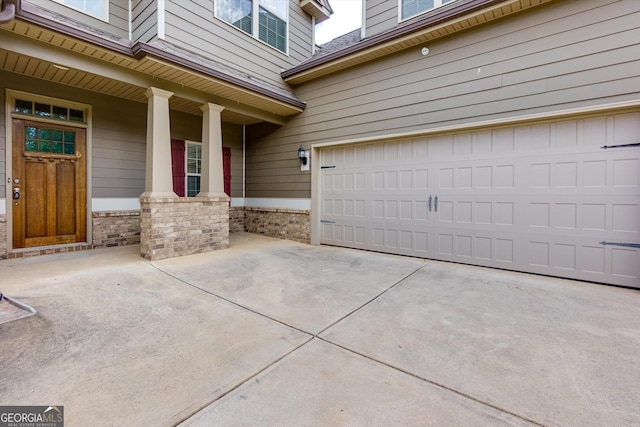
[
  {"x": 347, "y": 52},
  {"x": 339, "y": 43}
]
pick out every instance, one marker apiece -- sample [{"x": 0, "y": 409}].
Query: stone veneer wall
[
  {"x": 289, "y": 224},
  {"x": 176, "y": 226},
  {"x": 3, "y": 236},
  {"x": 116, "y": 228},
  {"x": 236, "y": 219}
]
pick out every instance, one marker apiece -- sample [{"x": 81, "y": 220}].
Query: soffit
[
  {"x": 414, "y": 33},
  {"x": 319, "y": 9},
  {"x": 146, "y": 63}
]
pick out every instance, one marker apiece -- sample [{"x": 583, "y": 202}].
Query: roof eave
[
  {"x": 140, "y": 50},
  {"x": 316, "y": 9}
]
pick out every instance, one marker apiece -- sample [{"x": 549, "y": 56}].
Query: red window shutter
[
  {"x": 177, "y": 166},
  {"x": 226, "y": 169}
]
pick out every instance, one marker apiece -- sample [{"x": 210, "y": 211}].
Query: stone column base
[
  {"x": 289, "y": 224},
  {"x": 177, "y": 226},
  {"x": 3, "y": 237}
]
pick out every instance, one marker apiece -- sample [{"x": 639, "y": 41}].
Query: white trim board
[
  {"x": 276, "y": 203},
  {"x": 3, "y": 206},
  {"x": 115, "y": 204},
  {"x": 133, "y": 203}
]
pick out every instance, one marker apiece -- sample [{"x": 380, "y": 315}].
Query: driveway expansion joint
[
  {"x": 313, "y": 336},
  {"x": 434, "y": 383}
]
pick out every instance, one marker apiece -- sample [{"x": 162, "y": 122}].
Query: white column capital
[
  {"x": 211, "y": 107},
  {"x": 154, "y": 91}
]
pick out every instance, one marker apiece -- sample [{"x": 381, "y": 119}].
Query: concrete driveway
[{"x": 272, "y": 332}]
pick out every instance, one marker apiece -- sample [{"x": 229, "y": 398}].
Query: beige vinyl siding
[
  {"x": 565, "y": 55},
  {"x": 144, "y": 19},
  {"x": 195, "y": 29},
  {"x": 117, "y": 24},
  {"x": 380, "y": 15}
]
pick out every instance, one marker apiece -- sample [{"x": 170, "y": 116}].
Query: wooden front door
[{"x": 48, "y": 184}]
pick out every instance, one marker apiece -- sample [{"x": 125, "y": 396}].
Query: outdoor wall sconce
[{"x": 302, "y": 155}]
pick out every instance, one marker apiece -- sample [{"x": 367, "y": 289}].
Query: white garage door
[{"x": 541, "y": 198}]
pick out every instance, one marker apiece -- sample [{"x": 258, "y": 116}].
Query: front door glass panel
[{"x": 53, "y": 141}]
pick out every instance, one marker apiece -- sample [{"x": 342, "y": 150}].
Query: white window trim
[
  {"x": 104, "y": 18},
  {"x": 255, "y": 24},
  {"x": 436, "y": 6},
  {"x": 187, "y": 174}
]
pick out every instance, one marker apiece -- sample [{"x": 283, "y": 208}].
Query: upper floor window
[
  {"x": 412, "y": 8},
  {"x": 97, "y": 8},
  {"x": 264, "y": 19}
]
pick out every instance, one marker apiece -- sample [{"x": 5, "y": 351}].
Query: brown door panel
[{"x": 50, "y": 163}]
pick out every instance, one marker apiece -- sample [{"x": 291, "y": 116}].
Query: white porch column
[
  {"x": 212, "y": 178},
  {"x": 158, "y": 178}
]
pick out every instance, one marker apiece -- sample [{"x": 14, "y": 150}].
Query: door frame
[{"x": 10, "y": 96}]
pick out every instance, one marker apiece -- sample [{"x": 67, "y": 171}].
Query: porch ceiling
[{"x": 191, "y": 88}]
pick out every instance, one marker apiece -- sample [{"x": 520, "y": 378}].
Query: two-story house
[
  {"x": 500, "y": 133},
  {"x": 107, "y": 101}
]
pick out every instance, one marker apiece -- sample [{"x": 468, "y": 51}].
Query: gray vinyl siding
[
  {"x": 380, "y": 15},
  {"x": 119, "y": 130},
  {"x": 118, "y": 135},
  {"x": 119, "y": 152},
  {"x": 232, "y": 138},
  {"x": 195, "y": 29},
  {"x": 144, "y": 20},
  {"x": 189, "y": 127},
  {"x": 119, "y": 147},
  {"x": 118, "y": 22},
  {"x": 564, "y": 55}
]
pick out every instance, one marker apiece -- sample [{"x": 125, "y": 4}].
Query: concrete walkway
[{"x": 273, "y": 332}]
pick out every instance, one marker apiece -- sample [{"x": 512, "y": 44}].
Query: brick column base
[
  {"x": 177, "y": 226},
  {"x": 3, "y": 237},
  {"x": 289, "y": 224}
]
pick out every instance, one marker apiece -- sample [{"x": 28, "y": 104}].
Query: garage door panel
[
  {"x": 613, "y": 169},
  {"x": 540, "y": 198},
  {"x": 583, "y": 260},
  {"x": 625, "y": 265},
  {"x": 598, "y": 217}
]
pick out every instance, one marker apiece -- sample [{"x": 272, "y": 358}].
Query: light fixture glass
[{"x": 302, "y": 155}]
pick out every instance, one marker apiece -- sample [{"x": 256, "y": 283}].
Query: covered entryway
[
  {"x": 48, "y": 184},
  {"x": 557, "y": 197}
]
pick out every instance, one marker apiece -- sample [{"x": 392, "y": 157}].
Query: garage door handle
[
  {"x": 430, "y": 198},
  {"x": 436, "y": 203},
  {"x": 627, "y": 245}
]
